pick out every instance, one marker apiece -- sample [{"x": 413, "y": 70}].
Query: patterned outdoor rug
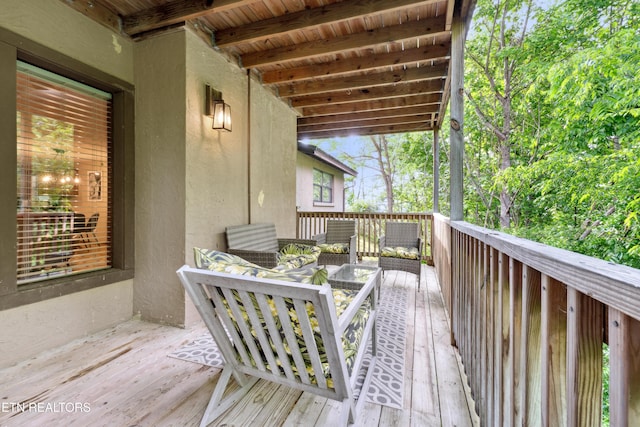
[{"x": 387, "y": 384}]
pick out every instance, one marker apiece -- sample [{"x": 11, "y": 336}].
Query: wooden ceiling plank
[
  {"x": 424, "y": 53},
  {"x": 309, "y": 18},
  {"x": 393, "y": 112},
  {"x": 371, "y": 80},
  {"x": 420, "y": 118},
  {"x": 390, "y": 91},
  {"x": 380, "y": 104},
  {"x": 394, "y": 33},
  {"x": 376, "y": 130},
  {"x": 173, "y": 12}
]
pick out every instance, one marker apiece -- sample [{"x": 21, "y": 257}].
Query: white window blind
[{"x": 63, "y": 170}]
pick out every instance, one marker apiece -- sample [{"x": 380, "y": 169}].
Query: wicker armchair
[
  {"x": 257, "y": 243},
  {"x": 338, "y": 244},
  {"x": 401, "y": 248}
]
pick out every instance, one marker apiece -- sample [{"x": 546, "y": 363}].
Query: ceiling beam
[
  {"x": 389, "y": 91},
  {"x": 419, "y": 118},
  {"x": 369, "y": 80},
  {"x": 375, "y": 130},
  {"x": 366, "y": 115},
  {"x": 309, "y": 18},
  {"x": 367, "y": 62},
  {"x": 174, "y": 12},
  {"x": 375, "y": 105},
  {"x": 394, "y": 33}
]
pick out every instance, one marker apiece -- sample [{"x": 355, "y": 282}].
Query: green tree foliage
[{"x": 574, "y": 175}]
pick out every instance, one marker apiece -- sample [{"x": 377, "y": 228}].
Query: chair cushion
[
  {"x": 334, "y": 248},
  {"x": 400, "y": 252},
  {"x": 296, "y": 255},
  {"x": 232, "y": 264},
  {"x": 205, "y": 257}
]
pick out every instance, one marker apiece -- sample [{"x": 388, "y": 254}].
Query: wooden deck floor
[{"x": 123, "y": 377}]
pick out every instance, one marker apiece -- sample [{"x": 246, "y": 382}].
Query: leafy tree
[
  {"x": 573, "y": 139},
  {"x": 495, "y": 84}
]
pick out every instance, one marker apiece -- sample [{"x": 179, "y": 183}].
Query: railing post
[
  {"x": 624, "y": 392},
  {"x": 554, "y": 350},
  {"x": 584, "y": 359},
  {"x": 530, "y": 359}
]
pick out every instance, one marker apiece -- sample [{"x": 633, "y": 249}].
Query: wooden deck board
[{"x": 124, "y": 376}]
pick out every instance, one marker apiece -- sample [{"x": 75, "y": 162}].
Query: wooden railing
[
  {"x": 370, "y": 226},
  {"x": 531, "y": 323}
]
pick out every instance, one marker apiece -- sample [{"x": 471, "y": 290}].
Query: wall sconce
[{"x": 215, "y": 107}]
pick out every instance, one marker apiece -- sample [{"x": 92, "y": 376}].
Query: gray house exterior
[{"x": 320, "y": 180}]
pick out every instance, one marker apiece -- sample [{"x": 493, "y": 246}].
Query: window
[
  {"x": 67, "y": 156},
  {"x": 322, "y": 187},
  {"x": 63, "y": 165}
]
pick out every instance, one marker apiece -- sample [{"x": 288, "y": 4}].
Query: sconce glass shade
[{"x": 221, "y": 115}]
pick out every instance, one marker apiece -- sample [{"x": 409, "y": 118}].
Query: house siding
[{"x": 304, "y": 191}]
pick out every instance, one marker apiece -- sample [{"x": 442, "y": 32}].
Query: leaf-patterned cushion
[
  {"x": 400, "y": 252},
  {"x": 205, "y": 257},
  {"x": 227, "y": 263},
  {"x": 296, "y": 255},
  {"x": 334, "y": 248}
]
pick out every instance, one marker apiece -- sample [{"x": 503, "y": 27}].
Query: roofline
[{"x": 324, "y": 157}]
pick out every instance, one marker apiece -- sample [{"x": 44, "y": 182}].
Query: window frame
[
  {"x": 322, "y": 186},
  {"x": 13, "y": 48}
]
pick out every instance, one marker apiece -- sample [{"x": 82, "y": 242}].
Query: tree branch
[{"x": 483, "y": 118}]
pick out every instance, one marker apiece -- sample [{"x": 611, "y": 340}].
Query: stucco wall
[
  {"x": 216, "y": 175},
  {"x": 304, "y": 190},
  {"x": 57, "y": 26},
  {"x": 273, "y": 147},
  {"x": 32, "y": 328},
  {"x": 193, "y": 181},
  {"x": 160, "y": 177}
]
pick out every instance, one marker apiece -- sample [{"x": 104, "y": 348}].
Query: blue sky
[{"x": 367, "y": 186}]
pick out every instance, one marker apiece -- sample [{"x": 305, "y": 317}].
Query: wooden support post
[
  {"x": 436, "y": 170},
  {"x": 457, "y": 117}
]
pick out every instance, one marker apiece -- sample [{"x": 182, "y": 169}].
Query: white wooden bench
[{"x": 286, "y": 332}]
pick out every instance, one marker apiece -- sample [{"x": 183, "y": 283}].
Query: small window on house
[
  {"x": 64, "y": 168},
  {"x": 322, "y": 187}
]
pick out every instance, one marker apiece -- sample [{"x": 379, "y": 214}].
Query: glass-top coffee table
[{"x": 353, "y": 276}]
